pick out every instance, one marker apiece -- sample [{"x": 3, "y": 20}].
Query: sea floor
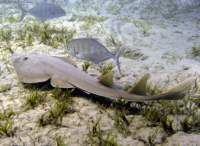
[{"x": 167, "y": 48}]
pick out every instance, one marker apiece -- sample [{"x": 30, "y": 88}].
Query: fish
[
  {"x": 43, "y": 11},
  {"x": 37, "y": 68},
  {"x": 91, "y": 50}
]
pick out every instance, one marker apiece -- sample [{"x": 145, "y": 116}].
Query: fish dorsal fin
[
  {"x": 68, "y": 60},
  {"x": 140, "y": 87},
  {"x": 58, "y": 82}
]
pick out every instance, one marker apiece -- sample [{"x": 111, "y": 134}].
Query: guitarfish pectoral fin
[{"x": 56, "y": 81}]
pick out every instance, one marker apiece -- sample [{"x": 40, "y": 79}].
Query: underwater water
[{"x": 144, "y": 47}]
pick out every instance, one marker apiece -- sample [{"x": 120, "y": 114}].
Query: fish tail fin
[
  {"x": 178, "y": 91},
  {"x": 23, "y": 11},
  {"x": 116, "y": 58}
]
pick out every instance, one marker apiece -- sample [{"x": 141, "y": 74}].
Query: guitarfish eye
[{"x": 25, "y": 58}]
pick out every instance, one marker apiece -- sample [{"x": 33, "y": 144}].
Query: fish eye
[{"x": 25, "y": 58}]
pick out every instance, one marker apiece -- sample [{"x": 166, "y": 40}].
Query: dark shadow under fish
[
  {"x": 91, "y": 50},
  {"x": 35, "y": 68},
  {"x": 43, "y": 11}
]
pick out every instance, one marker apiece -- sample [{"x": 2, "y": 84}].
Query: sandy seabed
[{"x": 160, "y": 46}]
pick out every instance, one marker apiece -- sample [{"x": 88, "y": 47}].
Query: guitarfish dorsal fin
[{"x": 140, "y": 87}]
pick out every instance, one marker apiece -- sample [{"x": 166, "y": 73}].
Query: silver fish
[
  {"x": 36, "y": 68},
  {"x": 91, "y": 50},
  {"x": 43, "y": 11}
]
